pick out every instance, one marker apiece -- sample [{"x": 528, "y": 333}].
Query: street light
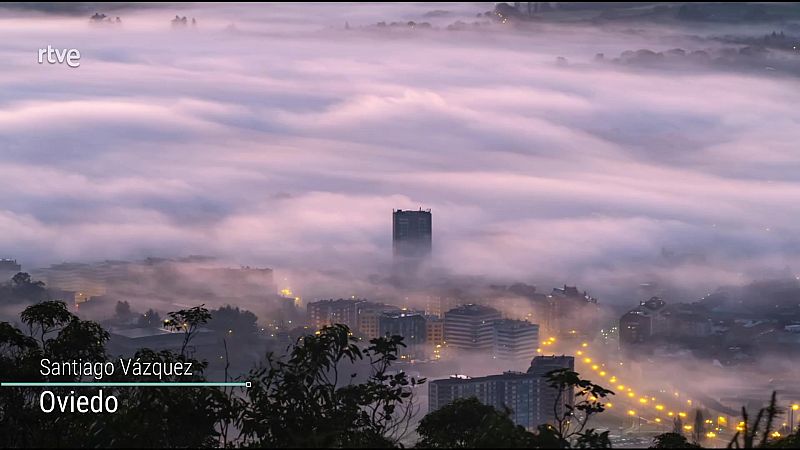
[{"x": 794, "y": 408}]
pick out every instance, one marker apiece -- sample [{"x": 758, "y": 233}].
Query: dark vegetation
[{"x": 306, "y": 398}]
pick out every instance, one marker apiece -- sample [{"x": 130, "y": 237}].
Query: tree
[
  {"x": 188, "y": 321},
  {"x": 80, "y": 340},
  {"x": 672, "y": 440},
  {"x": 790, "y": 441},
  {"x": 234, "y": 323},
  {"x": 150, "y": 319},
  {"x": 57, "y": 335},
  {"x": 46, "y": 317},
  {"x": 122, "y": 310},
  {"x": 23, "y": 289},
  {"x": 572, "y": 415},
  {"x": 467, "y": 423},
  {"x": 749, "y": 432},
  {"x": 21, "y": 279},
  {"x": 19, "y": 357},
  {"x": 13, "y": 343},
  {"x": 677, "y": 425},
  {"x": 161, "y": 417},
  {"x": 699, "y": 428},
  {"x": 304, "y": 401}
]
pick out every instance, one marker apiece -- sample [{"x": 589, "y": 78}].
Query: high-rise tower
[{"x": 412, "y": 233}]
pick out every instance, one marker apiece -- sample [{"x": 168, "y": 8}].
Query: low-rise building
[
  {"x": 369, "y": 318},
  {"x": 411, "y": 326},
  {"x": 324, "y": 313},
  {"x": 526, "y": 395}
]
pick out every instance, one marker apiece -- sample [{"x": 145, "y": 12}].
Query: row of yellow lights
[
  {"x": 629, "y": 391},
  {"x": 722, "y": 420},
  {"x": 644, "y": 400}
]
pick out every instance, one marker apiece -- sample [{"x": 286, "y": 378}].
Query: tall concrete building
[
  {"x": 412, "y": 233},
  {"x": 470, "y": 327},
  {"x": 549, "y": 396},
  {"x": 515, "y": 340}
]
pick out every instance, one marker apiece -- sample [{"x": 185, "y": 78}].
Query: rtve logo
[{"x": 71, "y": 57}]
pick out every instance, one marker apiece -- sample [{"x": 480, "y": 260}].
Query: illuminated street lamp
[{"x": 632, "y": 413}]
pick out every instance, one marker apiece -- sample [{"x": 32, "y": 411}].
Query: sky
[{"x": 271, "y": 135}]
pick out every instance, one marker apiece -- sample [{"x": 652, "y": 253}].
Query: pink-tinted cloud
[{"x": 288, "y": 142}]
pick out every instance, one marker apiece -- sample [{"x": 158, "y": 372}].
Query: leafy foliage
[
  {"x": 238, "y": 325},
  {"x": 672, "y": 440},
  {"x": 58, "y": 335},
  {"x": 150, "y": 319},
  {"x": 145, "y": 418},
  {"x": 311, "y": 397},
  {"x": 189, "y": 321},
  {"x": 161, "y": 417},
  {"x": 22, "y": 289},
  {"x": 467, "y": 423},
  {"x": 572, "y": 415},
  {"x": 304, "y": 401},
  {"x": 790, "y": 441},
  {"x": 46, "y": 317},
  {"x": 759, "y": 430}
]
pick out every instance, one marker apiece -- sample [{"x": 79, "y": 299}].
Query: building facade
[
  {"x": 328, "y": 312},
  {"x": 470, "y": 327},
  {"x": 412, "y": 233},
  {"x": 411, "y": 326},
  {"x": 514, "y": 391},
  {"x": 369, "y": 318},
  {"x": 655, "y": 320},
  {"x": 8, "y": 268},
  {"x": 434, "y": 330},
  {"x": 526, "y": 395},
  {"x": 515, "y": 340},
  {"x": 548, "y": 398}
]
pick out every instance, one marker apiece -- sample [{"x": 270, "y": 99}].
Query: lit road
[{"x": 649, "y": 414}]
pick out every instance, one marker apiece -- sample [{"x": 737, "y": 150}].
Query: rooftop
[
  {"x": 514, "y": 324},
  {"x": 473, "y": 310}
]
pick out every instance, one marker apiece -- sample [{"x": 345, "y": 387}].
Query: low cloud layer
[{"x": 285, "y": 140}]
